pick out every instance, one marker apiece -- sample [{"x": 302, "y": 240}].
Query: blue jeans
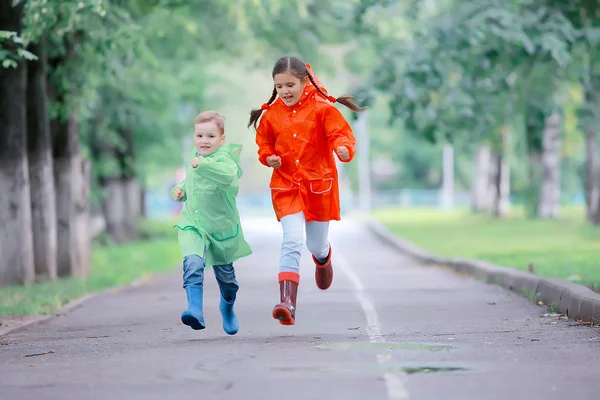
[{"x": 193, "y": 274}]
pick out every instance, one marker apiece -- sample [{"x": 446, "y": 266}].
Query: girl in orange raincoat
[{"x": 297, "y": 135}]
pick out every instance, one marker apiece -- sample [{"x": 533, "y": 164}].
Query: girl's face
[{"x": 289, "y": 88}]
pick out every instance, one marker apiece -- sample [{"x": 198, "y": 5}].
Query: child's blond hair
[{"x": 208, "y": 116}]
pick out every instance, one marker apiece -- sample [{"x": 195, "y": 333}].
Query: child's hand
[
  {"x": 343, "y": 153},
  {"x": 274, "y": 161},
  {"x": 178, "y": 194},
  {"x": 195, "y": 162}
]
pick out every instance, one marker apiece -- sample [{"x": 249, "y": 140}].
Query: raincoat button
[
  {"x": 294, "y": 111},
  {"x": 294, "y": 135},
  {"x": 297, "y": 161}
]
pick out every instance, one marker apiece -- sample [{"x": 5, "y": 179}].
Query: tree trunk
[
  {"x": 121, "y": 193},
  {"x": 130, "y": 185},
  {"x": 500, "y": 188},
  {"x": 549, "y": 199},
  {"x": 16, "y": 240},
  {"x": 535, "y": 178},
  {"x": 41, "y": 171},
  {"x": 592, "y": 193},
  {"x": 448, "y": 177},
  {"x": 493, "y": 182},
  {"x": 112, "y": 203},
  {"x": 143, "y": 210},
  {"x": 491, "y": 189},
  {"x": 71, "y": 174},
  {"x": 131, "y": 190},
  {"x": 592, "y": 189},
  {"x": 114, "y": 208},
  {"x": 534, "y": 129},
  {"x": 480, "y": 195}
]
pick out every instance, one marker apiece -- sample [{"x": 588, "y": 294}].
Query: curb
[
  {"x": 576, "y": 301},
  {"x": 78, "y": 302}
]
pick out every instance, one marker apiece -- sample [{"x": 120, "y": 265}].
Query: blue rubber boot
[
  {"x": 193, "y": 316},
  {"x": 230, "y": 321}
]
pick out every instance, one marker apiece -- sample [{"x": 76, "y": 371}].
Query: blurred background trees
[{"x": 489, "y": 104}]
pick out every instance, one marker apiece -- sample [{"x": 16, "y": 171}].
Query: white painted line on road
[{"x": 393, "y": 381}]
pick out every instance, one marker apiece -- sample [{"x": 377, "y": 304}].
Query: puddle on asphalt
[
  {"x": 345, "y": 346},
  {"x": 386, "y": 367},
  {"x": 429, "y": 369},
  {"x": 414, "y": 369}
]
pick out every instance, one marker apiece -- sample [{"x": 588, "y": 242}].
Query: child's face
[
  {"x": 289, "y": 88},
  {"x": 207, "y": 138}
]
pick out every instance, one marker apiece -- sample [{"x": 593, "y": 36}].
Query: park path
[{"x": 388, "y": 328}]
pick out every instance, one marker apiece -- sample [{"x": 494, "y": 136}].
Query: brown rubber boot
[
  {"x": 324, "y": 272},
  {"x": 285, "y": 311}
]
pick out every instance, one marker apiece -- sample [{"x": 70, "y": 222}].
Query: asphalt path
[{"x": 388, "y": 328}]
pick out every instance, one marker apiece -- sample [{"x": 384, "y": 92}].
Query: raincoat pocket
[
  {"x": 226, "y": 234},
  {"x": 225, "y": 244},
  {"x": 278, "y": 183},
  {"x": 321, "y": 186}
]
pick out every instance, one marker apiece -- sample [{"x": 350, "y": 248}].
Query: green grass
[
  {"x": 112, "y": 265},
  {"x": 566, "y": 248}
]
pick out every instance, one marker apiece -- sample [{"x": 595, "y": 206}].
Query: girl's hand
[
  {"x": 274, "y": 161},
  {"x": 195, "y": 162},
  {"x": 178, "y": 194},
  {"x": 343, "y": 153}
]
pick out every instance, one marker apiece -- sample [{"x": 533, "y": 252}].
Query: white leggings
[{"x": 293, "y": 238}]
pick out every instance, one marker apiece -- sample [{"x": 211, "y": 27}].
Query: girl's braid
[
  {"x": 273, "y": 96},
  {"x": 255, "y": 114},
  {"x": 315, "y": 85}
]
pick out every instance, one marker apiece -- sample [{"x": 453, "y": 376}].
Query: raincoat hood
[{"x": 233, "y": 150}]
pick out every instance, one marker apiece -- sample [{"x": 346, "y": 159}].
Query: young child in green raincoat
[{"x": 209, "y": 226}]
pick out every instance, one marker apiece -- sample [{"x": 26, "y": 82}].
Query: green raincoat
[{"x": 209, "y": 219}]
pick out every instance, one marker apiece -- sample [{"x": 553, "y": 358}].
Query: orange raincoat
[{"x": 304, "y": 136}]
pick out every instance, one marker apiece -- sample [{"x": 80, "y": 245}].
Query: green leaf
[
  {"x": 27, "y": 55},
  {"x": 8, "y": 63},
  {"x": 7, "y": 34}
]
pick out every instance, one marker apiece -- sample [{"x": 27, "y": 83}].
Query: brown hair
[
  {"x": 208, "y": 116},
  {"x": 297, "y": 68}
]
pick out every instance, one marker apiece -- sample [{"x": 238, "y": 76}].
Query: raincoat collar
[
  {"x": 309, "y": 92},
  {"x": 233, "y": 150}
]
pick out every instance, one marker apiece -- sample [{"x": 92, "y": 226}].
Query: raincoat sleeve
[
  {"x": 182, "y": 187},
  {"x": 265, "y": 141},
  {"x": 221, "y": 170},
  {"x": 338, "y": 131}
]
